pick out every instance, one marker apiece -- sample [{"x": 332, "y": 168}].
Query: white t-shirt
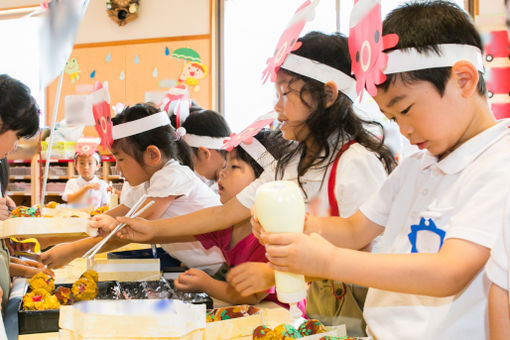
[
  {"x": 359, "y": 174},
  {"x": 175, "y": 179},
  {"x": 93, "y": 197},
  {"x": 129, "y": 195},
  {"x": 464, "y": 194},
  {"x": 497, "y": 267}
]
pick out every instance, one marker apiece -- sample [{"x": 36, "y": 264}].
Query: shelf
[
  {"x": 19, "y": 194},
  {"x": 54, "y": 193},
  {"x": 115, "y": 177},
  {"x": 20, "y": 177},
  {"x": 19, "y": 161}
]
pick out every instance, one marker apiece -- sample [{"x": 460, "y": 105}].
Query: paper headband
[
  {"x": 409, "y": 59},
  {"x": 258, "y": 152},
  {"x": 321, "y": 72},
  {"x": 140, "y": 125},
  {"x": 87, "y": 147},
  {"x": 197, "y": 141}
]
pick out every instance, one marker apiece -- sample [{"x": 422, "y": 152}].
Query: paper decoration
[
  {"x": 93, "y": 74},
  {"x": 366, "y": 45},
  {"x": 288, "y": 40},
  {"x": 501, "y": 110},
  {"x": 178, "y": 102},
  {"x": 86, "y": 146},
  {"x": 122, "y": 75},
  {"x": 137, "y": 59},
  {"x": 108, "y": 57},
  {"x": 102, "y": 115},
  {"x": 191, "y": 73},
  {"x": 426, "y": 225},
  {"x": 498, "y": 80},
  {"x": 57, "y": 34},
  {"x": 155, "y": 72},
  {"x": 186, "y": 54},
  {"x": 72, "y": 69},
  {"x": 167, "y": 51},
  {"x": 246, "y": 136},
  {"x": 497, "y": 45}
]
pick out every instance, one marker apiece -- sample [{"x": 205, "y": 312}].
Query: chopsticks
[{"x": 93, "y": 251}]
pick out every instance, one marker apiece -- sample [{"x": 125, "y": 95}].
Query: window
[
  {"x": 251, "y": 31},
  {"x": 19, "y": 57}
]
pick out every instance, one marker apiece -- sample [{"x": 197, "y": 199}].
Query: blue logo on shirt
[{"x": 425, "y": 224}]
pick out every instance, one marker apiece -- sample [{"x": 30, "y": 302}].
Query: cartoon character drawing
[
  {"x": 366, "y": 45},
  {"x": 288, "y": 40},
  {"x": 72, "y": 68},
  {"x": 191, "y": 73}
]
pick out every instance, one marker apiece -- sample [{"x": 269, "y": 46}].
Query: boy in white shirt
[
  {"x": 88, "y": 189},
  {"x": 440, "y": 210}
]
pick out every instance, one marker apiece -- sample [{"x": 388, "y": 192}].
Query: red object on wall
[
  {"x": 497, "y": 45},
  {"x": 501, "y": 110},
  {"x": 498, "y": 80}
]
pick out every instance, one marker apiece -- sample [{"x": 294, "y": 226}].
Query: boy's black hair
[
  {"x": 206, "y": 123},
  {"x": 163, "y": 137},
  {"x": 330, "y": 127},
  {"x": 18, "y": 109},
  {"x": 271, "y": 141},
  {"x": 423, "y": 25}
]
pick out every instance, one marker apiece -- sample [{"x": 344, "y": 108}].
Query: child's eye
[{"x": 406, "y": 110}]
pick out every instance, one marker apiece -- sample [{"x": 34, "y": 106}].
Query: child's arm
[
  {"x": 27, "y": 268},
  {"x": 439, "y": 274},
  {"x": 199, "y": 222},
  {"x": 499, "y": 313},
  {"x": 195, "y": 280},
  {"x": 75, "y": 196}
]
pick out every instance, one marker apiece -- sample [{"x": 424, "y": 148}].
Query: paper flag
[
  {"x": 288, "y": 40},
  {"x": 246, "y": 136},
  {"x": 102, "y": 115},
  {"x": 57, "y": 34},
  {"x": 366, "y": 45}
]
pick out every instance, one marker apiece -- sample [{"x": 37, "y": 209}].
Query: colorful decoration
[
  {"x": 93, "y": 74},
  {"x": 501, "y": 110},
  {"x": 137, "y": 59},
  {"x": 167, "y": 51},
  {"x": 426, "y": 224},
  {"x": 177, "y": 102},
  {"x": 191, "y": 73},
  {"x": 86, "y": 146},
  {"x": 102, "y": 114},
  {"x": 288, "y": 40},
  {"x": 497, "y": 45},
  {"x": 498, "y": 81},
  {"x": 246, "y": 136},
  {"x": 187, "y": 54},
  {"x": 155, "y": 72},
  {"x": 122, "y": 11},
  {"x": 122, "y": 75},
  {"x": 108, "y": 57},
  {"x": 366, "y": 45},
  {"x": 72, "y": 68}
]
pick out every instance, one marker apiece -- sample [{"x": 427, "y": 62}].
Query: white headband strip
[
  {"x": 409, "y": 59},
  {"x": 197, "y": 141},
  {"x": 321, "y": 72},
  {"x": 258, "y": 152},
  {"x": 140, "y": 125}
]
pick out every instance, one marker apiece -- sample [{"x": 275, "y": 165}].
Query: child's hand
[
  {"x": 59, "y": 255},
  {"x": 105, "y": 223},
  {"x": 251, "y": 277},
  {"x": 93, "y": 186},
  {"x": 34, "y": 267},
  {"x": 299, "y": 253},
  {"x": 192, "y": 280},
  {"x": 136, "y": 230},
  {"x": 4, "y": 209},
  {"x": 256, "y": 228}
]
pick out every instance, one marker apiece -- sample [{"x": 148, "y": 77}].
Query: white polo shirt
[
  {"x": 497, "y": 267},
  {"x": 96, "y": 198},
  {"x": 465, "y": 195},
  {"x": 359, "y": 174}
]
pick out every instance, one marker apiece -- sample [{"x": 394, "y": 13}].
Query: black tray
[{"x": 43, "y": 321}]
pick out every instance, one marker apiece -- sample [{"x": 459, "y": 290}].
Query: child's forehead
[{"x": 85, "y": 158}]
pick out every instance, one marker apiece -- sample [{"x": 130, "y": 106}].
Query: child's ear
[
  {"x": 331, "y": 93},
  {"x": 204, "y": 153},
  {"x": 152, "y": 155},
  {"x": 466, "y": 77}
]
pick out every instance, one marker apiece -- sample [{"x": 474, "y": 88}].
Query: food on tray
[
  {"x": 23, "y": 211},
  {"x": 99, "y": 211},
  {"x": 51, "y": 205},
  {"x": 84, "y": 289},
  {"x": 41, "y": 280},
  {"x": 40, "y": 299},
  {"x": 91, "y": 275},
  {"x": 226, "y": 313},
  {"x": 285, "y": 332},
  {"x": 63, "y": 295},
  {"x": 311, "y": 327},
  {"x": 263, "y": 333}
]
